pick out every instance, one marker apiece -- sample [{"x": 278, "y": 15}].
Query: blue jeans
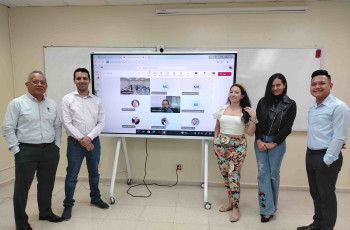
[
  {"x": 75, "y": 156},
  {"x": 269, "y": 164}
]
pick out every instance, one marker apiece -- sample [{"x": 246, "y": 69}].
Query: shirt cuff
[
  {"x": 15, "y": 149},
  {"x": 91, "y": 136},
  {"x": 329, "y": 159}
]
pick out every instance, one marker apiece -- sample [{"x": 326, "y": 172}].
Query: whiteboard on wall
[{"x": 254, "y": 67}]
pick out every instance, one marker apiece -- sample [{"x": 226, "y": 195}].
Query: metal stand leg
[
  {"x": 202, "y": 164},
  {"x": 116, "y": 158},
  {"x": 207, "y": 205},
  {"x": 127, "y": 161}
]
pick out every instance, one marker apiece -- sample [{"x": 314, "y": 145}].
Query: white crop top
[{"x": 231, "y": 125}]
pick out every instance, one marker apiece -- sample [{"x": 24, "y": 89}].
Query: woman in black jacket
[{"x": 275, "y": 113}]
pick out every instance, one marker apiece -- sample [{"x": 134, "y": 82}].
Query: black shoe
[
  {"x": 51, "y": 217},
  {"x": 25, "y": 227},
  {"x": 309, "y": 227},
  {"x": 265, "y": 219},
  {"x": 67, "y": 213},
  {"x": 100, "y": 204}
]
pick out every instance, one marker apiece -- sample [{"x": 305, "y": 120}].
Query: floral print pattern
[{"x": 231, "y": 153}]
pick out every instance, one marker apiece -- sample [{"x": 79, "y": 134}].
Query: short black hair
[
  {"x": 321, "y": 72},
  {"x": 166, "y": 101},
  {"x": 83, "y": 70}
]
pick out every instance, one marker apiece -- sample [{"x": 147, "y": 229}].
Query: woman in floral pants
[{"x": 233, "y": 120}]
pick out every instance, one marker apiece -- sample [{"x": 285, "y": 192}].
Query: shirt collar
[
  {"x": 31, "y": 97},
  {"x": 77, "y": 94},
  {"x": 326, "y": 102}
]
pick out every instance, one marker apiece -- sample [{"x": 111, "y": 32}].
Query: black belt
[
  {"x": 319, "y": 151},
  {"x": 42, "y": 145},
  {"x": 72, "y": 138}
]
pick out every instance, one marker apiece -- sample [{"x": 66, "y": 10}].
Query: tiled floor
[{"x": 178, "y": 208}]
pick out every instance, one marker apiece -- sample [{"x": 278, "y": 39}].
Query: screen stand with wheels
[{"x": 204, "y": 170}]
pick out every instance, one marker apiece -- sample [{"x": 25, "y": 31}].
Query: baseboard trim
[
  {"x": 210, "y": 184},
  {"x": 189, "y": 183},
  {"x": 5, "y": 183}
]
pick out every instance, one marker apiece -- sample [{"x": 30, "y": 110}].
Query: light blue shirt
[
  {"x": 30, "y": 121},
  {"x": 328, "y": 127}
]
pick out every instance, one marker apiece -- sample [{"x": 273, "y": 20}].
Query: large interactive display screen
[{"x": 172, "y": 94}]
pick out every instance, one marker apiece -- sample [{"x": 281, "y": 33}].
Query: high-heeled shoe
[
  {"x": 235, "y": 218},
  {"x": 265, "y": 219}
]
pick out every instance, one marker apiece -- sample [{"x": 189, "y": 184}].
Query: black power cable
[{"x": 144, "y": 179}]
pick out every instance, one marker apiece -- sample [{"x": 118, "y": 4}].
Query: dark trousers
[
  {"x": 30, "y": 159},
  {"x": 75, "y": 156},
  {"x": 322, "y": 181}
]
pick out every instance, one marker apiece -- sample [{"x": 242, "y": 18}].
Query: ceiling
[{"x": 21, "y": 3}]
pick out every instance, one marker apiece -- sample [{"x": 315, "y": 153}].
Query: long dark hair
[
  {"x": 268, "y": 92},
  {"x": 245, "y": 102}
]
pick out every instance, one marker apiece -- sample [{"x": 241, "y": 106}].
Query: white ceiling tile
[
  {"x": 45, "y": 2},
  {"x": 13, "y": 3},
  {"x": 86, "y": 2},
  {"x": 166, "y": 2},
  {"x": 250, "y": 1},
  {"x": 211, "y": 1},
  {"x": 127, "y": 2},
  {"x": 305, "y": 0},
  {"x": 276, "y": 1}
]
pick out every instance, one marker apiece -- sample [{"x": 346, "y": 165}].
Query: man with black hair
[
  {"x": 83, "y": 117},
  {"x": 329, "y": 120}
]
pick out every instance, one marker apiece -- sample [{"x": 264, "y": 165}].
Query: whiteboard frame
[{"x": 187, "y": 50}]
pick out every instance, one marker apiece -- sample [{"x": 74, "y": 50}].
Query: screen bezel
[{"x": 139, "y": 135}]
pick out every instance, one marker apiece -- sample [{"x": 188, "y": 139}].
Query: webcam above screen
[{"x": 168, "y": 94}]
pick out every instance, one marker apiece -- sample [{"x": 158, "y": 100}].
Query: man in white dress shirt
[
  {"x": 83, "y": 117},
  {"x": 32, "y": 129}
]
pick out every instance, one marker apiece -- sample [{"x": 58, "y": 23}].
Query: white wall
[
  {"x": 325, "y": 24},
  {"x": 6, "y": 93}
]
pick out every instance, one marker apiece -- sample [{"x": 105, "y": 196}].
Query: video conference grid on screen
[{"x": 162, "y": 94}]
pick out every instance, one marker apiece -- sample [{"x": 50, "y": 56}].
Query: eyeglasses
[{"x": 37, "y": 82}]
